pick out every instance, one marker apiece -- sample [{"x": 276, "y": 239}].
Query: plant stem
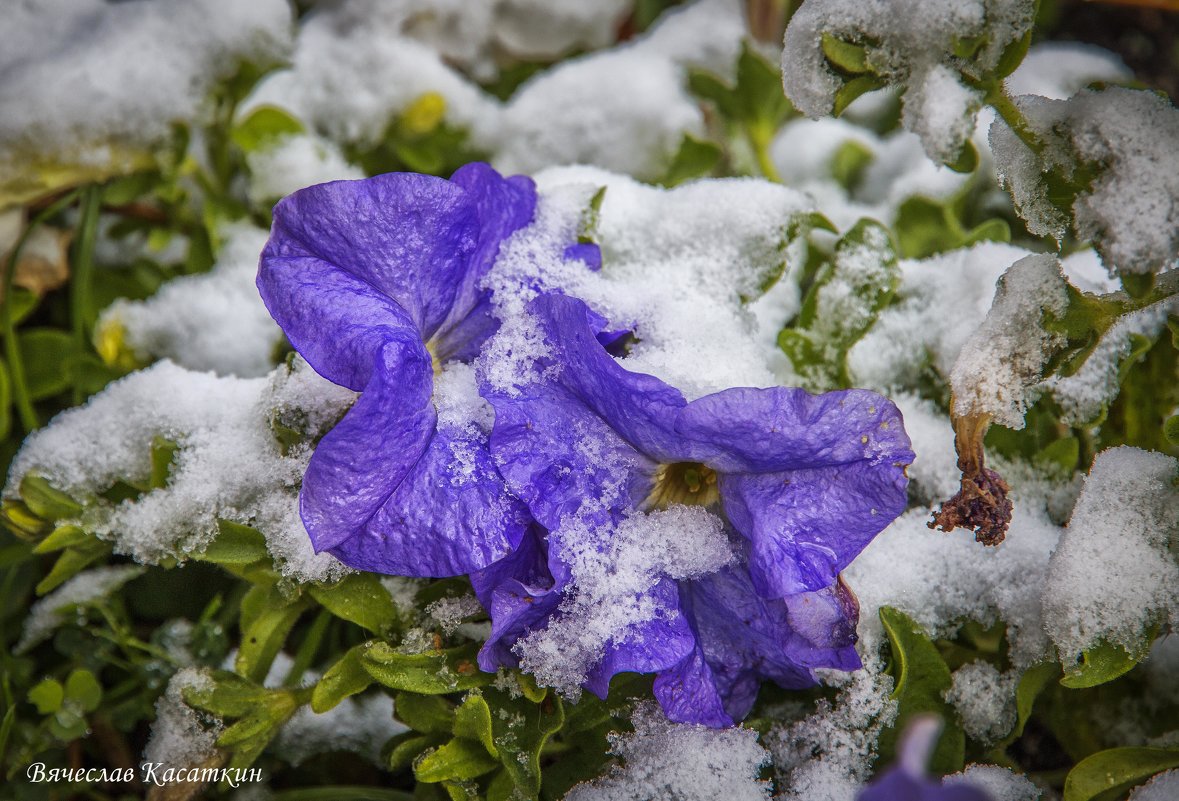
[
  {"x": 81, "y": 289},
  {"x": 16, "y": 365},
  {"x": 760, "y": 141},
  {"x": 308, "y": 648},
  {"x": 1005, "y": 107}
]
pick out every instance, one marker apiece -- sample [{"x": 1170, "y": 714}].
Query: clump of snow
[
  {"x": 942, "y": 579},
  {"x": 1126, "y": 139},
  {"x": 82, "y": 77},
  {"x": 624, "y": 109},
  {"x": 1085, "y": 271},
  {"x": 354, "y": 69},
  {"x": 828, "y": 755},
  {"x": 677, "y": 762},
  {"x": 53, "y": 610},
  {"x": 449, "y": 613},
  {"x": 360, "y": 725},
  {"x": 1114, "y": 573},
  {"x": 182, "y": 736},
  {"x": 294, "y": 162},
  {"x": 1058, "y": 70},
  {"x": 934, "y": 473},
  {"x": 615, "y": 570},
  {"x": 999, "y": 783},
  {"x": 1163, "y": 787},
  {"x": 940, "y": 303},
  {"x": 212, "y": 321},
  {"x": 229, "y": 464},
  {"x": 1085, "y": 394},
  {"x": 905, "y": 43},
  {"x": 998, "y": 368},
  {"x": 984, "y": 699}
]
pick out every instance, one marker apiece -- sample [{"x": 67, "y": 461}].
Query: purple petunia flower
[
  {"x": 908, "y": 780},
  {"x": 376, "y": 284},
  {"x": 804, "y": 481}
]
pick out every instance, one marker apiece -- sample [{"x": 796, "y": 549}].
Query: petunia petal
[
  {"x": 449, "y": 515},
  {"x": 782, "y": 428},
  {"x": 358, "y": 464},
  {"x": 805, "y": 526},
  {"x": 409, "y": 237}
]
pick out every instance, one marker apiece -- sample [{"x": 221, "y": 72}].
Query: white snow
[
  {"x": 1058, "y": 70},
  {"x": 229, "y": 464},
  {"x": 984, "y": 699},
  {"x": 1113, "y": 573},
  {"x": 181, "y": 736},
  {"x": 677, "y": 762},
  {"x": 53, "y": 610},
  {"x": 998, "y": 782},
  {"x": 1163, "y": 787},
  {"x": 294, "y": 162},
  {"x": 212, "y": 321},
  {"x": 998, "y": 368}
]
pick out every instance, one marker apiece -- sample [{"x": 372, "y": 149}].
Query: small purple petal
[{"x": 586, "y": 252}]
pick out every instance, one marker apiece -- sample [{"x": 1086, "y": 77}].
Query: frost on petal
[{"x": 1114, "y": 573}]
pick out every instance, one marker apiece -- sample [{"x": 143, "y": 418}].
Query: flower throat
[{"x": 687, "y": 483}]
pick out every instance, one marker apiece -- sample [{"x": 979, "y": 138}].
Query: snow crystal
[
  {"x": 911, "y": 43},
  {"x": 457, "y": 399},
  {"x": 53, "y": 610},
  {"x": 1087, "y": 392},
  {"x": 984, "y": 699},
  {"x": 229, "y": 464},
  {"x": 181, "y": 736},
  {"x": 212, "y": 321},
  {"x": 940, "y": 302},
  {"x": 998, "y": 367},
  {"x": 827, "y": 755},
  {"x": 294, "y": 162},
  {"x": 1129, "y": 138},
  {"x": 1163, "y": 787},
  {"x": 1113, "y": 573},
  {"x": 999, "y": 783},
  {"x": 677, "y": 762},
  {"x": 934, "y": 474},
  {"x": 449, "y": 613},
  {"x": 614, "y": 570},
  {"x": 1057, "y": 70},
  {"x": 82, "y": 77}
]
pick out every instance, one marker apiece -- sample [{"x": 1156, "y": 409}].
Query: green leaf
[
  {"x": 47, "y": 696},
  {"x": 1171, "y": 429},
  {"x": 922, "y": 678},
  {"x": 848, "y": 57},
  {"x": 45, "y": 501},
  {"x": 849, "y": 162},
  {"x": 457, "y": 760},
  {"x": 1031, "y": 684},
  {"x": 1062, "y": 454},
  {"x": 361, "y": 599},
  {"x": 1105, "y": 662},
  {"x": 520, "y": 729},
  {"x": 428, "y": 714},
  {"x": 694, "y": 158},
  {"x": 5, "y": 401},
  {"x": 228, "y": 695},
  {"x": 264, "y": 126},
  {"x": 62, "y": 537},
  {"x": 267, "y": 619},
  {"x": 759, "y": 90},
  {"x": 163, "y": 453},
  {"x": 1013, "y": 55},
  {"x": 45, "y": 352},
  {"x": 853, "y": 89},
  {"x": 71, "y": 562},
  {"x": 472, "y": 720},
  {"x": 346, "y": 677},
  {"x": 430, "y": 673},
  {"x": 406, "y": 747},
  {"x": 83, "y": 688},
  {"x": 1111, "y": 773},
  {"x": 967, "y": 160},
  {"x": 235, "y": 544}
]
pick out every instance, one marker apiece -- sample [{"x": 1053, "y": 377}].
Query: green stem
[
  {"x": 16, "y": 364},
  {"x": 760, "y": 141},
  {"x": 308, "y": 648},
  {"x": 81, "y": 289}
]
